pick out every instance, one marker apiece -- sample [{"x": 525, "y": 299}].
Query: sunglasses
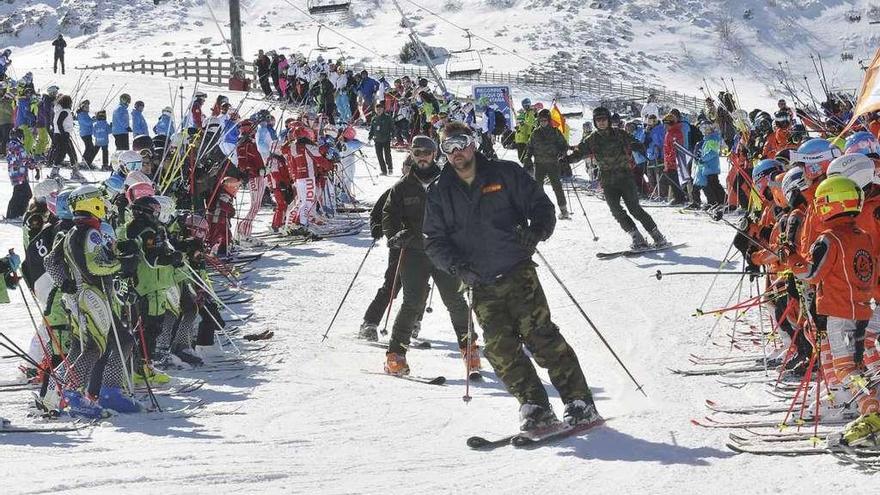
[
  {"x": 422, "y": 152},
  {"x": 456, "y": 143}
]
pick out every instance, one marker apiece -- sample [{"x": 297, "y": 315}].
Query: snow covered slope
[
  {"x": 675, "y": 44},
  {"x": 303, "y": 417}
]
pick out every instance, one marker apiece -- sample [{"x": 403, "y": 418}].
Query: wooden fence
[{"x": 217, "y": 71}]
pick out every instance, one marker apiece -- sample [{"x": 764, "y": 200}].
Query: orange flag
[
  {"x": 869, "y": 94},
  {"x": 557, "y": 120}
]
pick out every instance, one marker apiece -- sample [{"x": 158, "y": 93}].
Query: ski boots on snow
[
  {"x": 533, "y": 417},
  {"x": 114, "y": 398},
  {"x": 564, "y": 214},
  {"x": 395, "y": 364},
  {"x": 149, "y": 373},
  {"x": 82, "y": 406},
  {"x": 416, "y": 329},
  {"x": 472, "y": 359},
  {"x": 368, "y": 332},
  {"x": 659, "y": 239},
  {"x": 864, "y": 431},
  {"x": 638, "y": 240},
  {"x": 578, "y": 411}
]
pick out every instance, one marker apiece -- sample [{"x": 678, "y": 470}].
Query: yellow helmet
[
  {"x": 837, "y": 195},
  {"x": 88, "y": 199}
]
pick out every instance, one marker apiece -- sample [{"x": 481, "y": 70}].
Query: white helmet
[
  {"x": 114, "y": 159},
  {"x": 168, "y": 209},
  {"x": 129, "y": 161},
  {"x": 46, "y": 188},
  {"x": 135, "y": 177},
  {"x": 168, "y": 110},
  {"x": 856, "y": 167}
]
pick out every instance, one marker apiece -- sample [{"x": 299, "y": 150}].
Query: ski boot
[
  {"x": 208, "y": 352},
  {"x": 189, "y": 357},
  {"x": 563, "y": 213},
  {"x": 416, "y": 328},
  {"x": 533, "y": 417},
  {"x": 579, "y": 411},
  {"x": 169, "y": 361},
  {"x": 659, "y": 239},
  {"x": 148, "y": 372},
  {"x": 115, "y": 399},
  {"x": 472, "y": 359},
  {"x": 864, "y": 431},
  {"x": 75, "y": 175},
  {"x": 251, "y": 243},
  {"x": 82, "y": 406},
  {"x": 54, "y": 174},
  {"x": 638, "y": 241},
  {"x": 368, "y": 332},
  {"x": 395, "y": 364}
]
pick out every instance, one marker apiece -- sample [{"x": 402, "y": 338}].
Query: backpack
[{"x": 500, "y": 123}]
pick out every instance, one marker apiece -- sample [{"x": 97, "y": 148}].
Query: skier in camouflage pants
[{"x": 483, "y": 221}]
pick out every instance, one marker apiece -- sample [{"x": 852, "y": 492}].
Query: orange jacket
[
  {"x": 843, "y": 269},
  {"x": 776, "y": 142}
]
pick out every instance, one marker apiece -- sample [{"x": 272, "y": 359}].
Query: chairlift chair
[
  {"x": 321, "y": 7},
  {"x": 464, "y": 63},
  {"x": 324, "y": 49}
]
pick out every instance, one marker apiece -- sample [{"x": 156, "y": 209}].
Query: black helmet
[
  {"x": 544, "y": 114},
  {"x": 601, "y": 112},
  {"x": 146, "y": 206}
]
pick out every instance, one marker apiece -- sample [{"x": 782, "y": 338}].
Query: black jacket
[
  {"x": 476, "y": 224},
  {"x": 405, "y": 208}
]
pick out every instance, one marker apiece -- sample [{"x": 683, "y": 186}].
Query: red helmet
[
  {"x": 303, "y": 132},
  {"x": 349, "y": 133}
]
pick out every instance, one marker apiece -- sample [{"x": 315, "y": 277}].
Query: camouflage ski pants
[{"x": 513, "y": 312}]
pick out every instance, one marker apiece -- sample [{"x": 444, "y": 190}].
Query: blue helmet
[
  {"x": 766, "y": 168},
  {"x": 862, "y": 142},
  {"x": 816, "y": 154},
  {"x": 115, "y": 183},
  {"x": 526, "y": 103},
  {"x": 62, "y": 206}
]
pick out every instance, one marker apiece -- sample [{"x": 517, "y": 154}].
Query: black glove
[
  {"x": 791, "y": 288},
  {"x": 127, "y": 248},
  {"x": 37, "y": 174},
  {"x": 754, "y": 271},
  {"x": 176, "y": 259},
  {"x": 68, "y": 286},
  {"x": 401, "y": 240},
  {"x": 376, "y": 231},
  {"x": 528, "y": 237},
  {"x": 563, "y": 160},
  {"x": 467, "y": 275}
]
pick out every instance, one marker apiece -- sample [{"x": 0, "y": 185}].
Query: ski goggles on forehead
[{"x": 456, "y": 143}]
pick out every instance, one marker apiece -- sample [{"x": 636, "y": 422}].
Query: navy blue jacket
[{"x": 476, "y": 224}]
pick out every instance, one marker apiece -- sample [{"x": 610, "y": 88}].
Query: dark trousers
[
  {"x": 383, "y": 295},
  {"x": 714, "y": 192},
  {"x": 264, "y": 85},
  {"x": 383, "y": 153},
  {"x": 105, "y": 155},
  {"x": 121, "y": 142},
  {"x": 552, "y": 171},
  {"x": 670, "y": 180},
  {"x": 64, "y": 147},
  {"x": 415, "y": 271},
  {"x": 4, "y": 137},
  {"x": 21, "y": 195},
  {"x": 623, "y": 187},
  {"x": 91, "y": 150},
  {"x": 59, "y": 57}
]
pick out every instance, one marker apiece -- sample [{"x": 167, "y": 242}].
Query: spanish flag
[{"x": 557, "y": 120}]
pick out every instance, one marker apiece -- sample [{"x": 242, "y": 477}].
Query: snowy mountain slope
[
  {"x": 304, "y": 418},
  {"x": 673, "y": 43}
]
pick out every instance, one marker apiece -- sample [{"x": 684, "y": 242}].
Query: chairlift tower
[{"x": 415, "y": 39}]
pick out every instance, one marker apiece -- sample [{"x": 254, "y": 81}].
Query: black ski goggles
[{"x": 456, "y": 143}]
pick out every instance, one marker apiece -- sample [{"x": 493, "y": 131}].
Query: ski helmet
[
  {"x": 62, "y": 205},
  {"x": 764, "y": 173},
  {"x": 115, "y": 183},
  {"x": 167, "y": 111},
  {"x": 146, "y": 206},
  {"x": 526, "y": 103},
  {"x": 856, "y": 167},
  {"x": 197, "y": 225},
  {"x": 88, "y": 199},
  {"x": 816, "y": 154},
  {"x": 837, "y": 195},
  {"x": 142, "y": 142},
  {"x": 135, "y": 177},
  {"x": 130, "y": 161},
  {"x": 246, "y": 127},
  {"x": 139, "y": 190},
  {"x": 46, "y": 187},
  {"x": 862, "y": 142},
  {"x": 200, "y": 95},
  {"x": 782, "y": 119},
  {"x": 601, "y": 113},
  {"x": 125, "y": 98},
  {"x": 793, "y": 183},
  {"x": 168, "y": 209},
  {"x": 544, "y": 114},
  {"x": 52, "y": 91}
]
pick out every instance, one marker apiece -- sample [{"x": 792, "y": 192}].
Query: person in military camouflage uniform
[
  {"x": 546, "y": 146},
  {"x": 483, "y": 221},
  {"x": 402, "y": 218},
  {"x": 612, "y": 149}
]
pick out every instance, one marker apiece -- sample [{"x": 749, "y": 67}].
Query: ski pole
[
  {"x": 345, "y": 296},
  {"x": 640, "y": 388},
  {"x": 428, "y": 308},
  {"x": 715, "y": 279},
  {"x": 578, "y": 198},
  {"x": 129, "y": 379},
  {"x": 659, "y": 275},
  {"x": 393, "y": 291},
  {"x": 467, "y": 354}
]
